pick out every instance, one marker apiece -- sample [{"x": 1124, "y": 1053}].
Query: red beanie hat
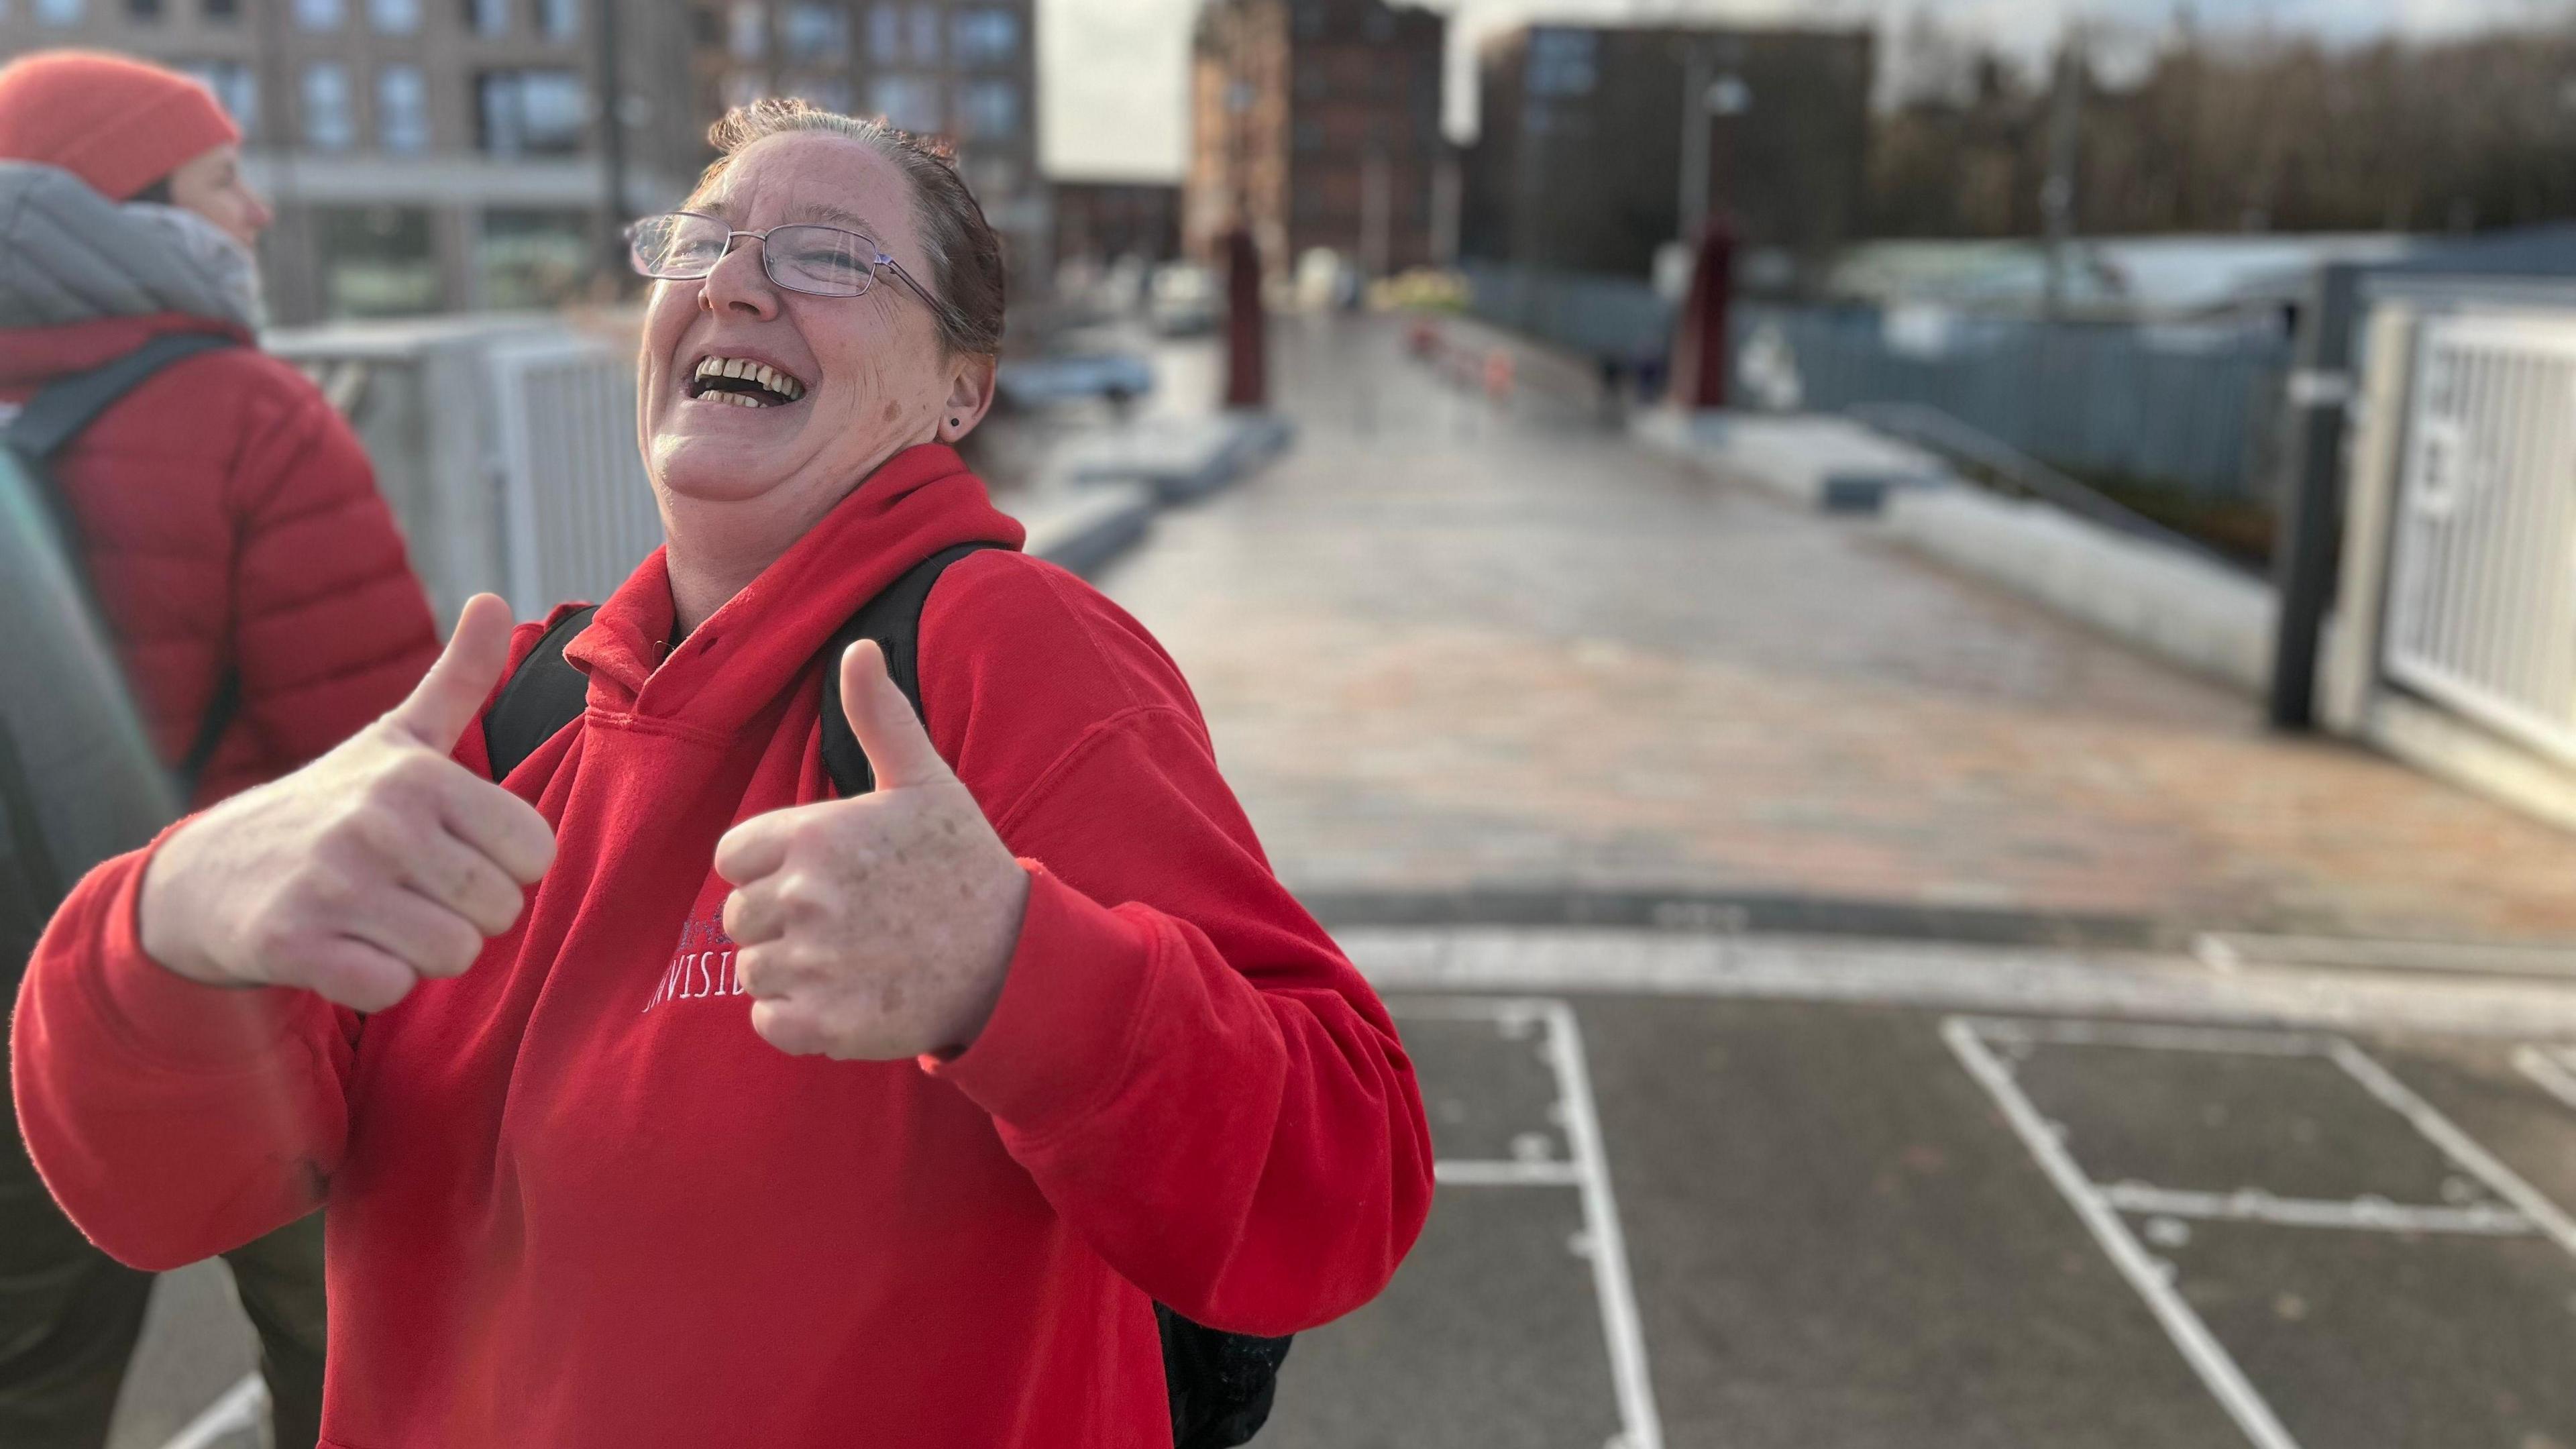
[{"x": 117, "y": 123}]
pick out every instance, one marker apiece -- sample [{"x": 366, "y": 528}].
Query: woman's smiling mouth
[{"x": 742, "y": 382}]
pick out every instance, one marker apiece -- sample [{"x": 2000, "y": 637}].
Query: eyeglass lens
[{"x": 819, "y": 259}]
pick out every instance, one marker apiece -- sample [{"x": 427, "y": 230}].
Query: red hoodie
[{"x": 575, "y": 1200}]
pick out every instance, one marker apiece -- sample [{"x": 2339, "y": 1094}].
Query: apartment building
[
  {"x": 1593, "y": 142},
  {"x": 1317, "y": 122},
  {"x": 962, "y": 69},
  {"x": 423, "y": 155}
]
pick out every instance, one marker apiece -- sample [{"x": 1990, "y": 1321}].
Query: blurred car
[
  {"x": 1182, "y": 299},
  {"x": 1117, "y": 378},
  {"x": 1423, "y": 289}
]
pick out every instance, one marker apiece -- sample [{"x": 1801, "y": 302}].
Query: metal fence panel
[
  {"x": 578, "y": 511},
  {"x": 2482, "y": 594}
]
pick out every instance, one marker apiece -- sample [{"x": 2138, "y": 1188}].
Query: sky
[{"x": 1112, "y": 72}]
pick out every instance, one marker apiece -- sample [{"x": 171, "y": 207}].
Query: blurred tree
[{"x": 2240, "y": 131}]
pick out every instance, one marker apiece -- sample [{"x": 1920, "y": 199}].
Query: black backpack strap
[
  {"x": 56, "y": 415},
  {"x": 544, "y": 694},
  {"x": 893, "y": 619}
]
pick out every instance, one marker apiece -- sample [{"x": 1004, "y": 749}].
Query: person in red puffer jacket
[{"x": 247, "y": 568}]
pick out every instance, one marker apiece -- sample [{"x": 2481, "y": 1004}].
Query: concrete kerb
[
  {"x": 1082, "y": 531},
  {"x": 1125, "y": 480},
  {"x": 2183, "y": 609},
  {"x": 1822, "y": 462},
  {"x": 1183, "y": 458}
]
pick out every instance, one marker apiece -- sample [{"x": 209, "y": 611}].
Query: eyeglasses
[{"x": 821, "y": 261}]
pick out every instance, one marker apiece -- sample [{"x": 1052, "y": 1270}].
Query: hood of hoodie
[{"x": 75, "y": 256}]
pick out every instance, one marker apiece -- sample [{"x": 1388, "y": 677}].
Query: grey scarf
[{"x": 68, "y": 254}]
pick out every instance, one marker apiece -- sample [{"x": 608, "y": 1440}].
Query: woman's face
[
  {"x": 870, "y": 374},
  {"x": 211, "y": 185}
]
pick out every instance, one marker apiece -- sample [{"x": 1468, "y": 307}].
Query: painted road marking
[
  {"x": 2200, "y": 1348},
  {"x": 2252, "y": 1205},
  {"x": 237, "y": 1411},
  {"x": 2101, "y": 1205},
  {"x": 1950, "y": 977},
  {"x": 1562, "y": 1046},
  {"x": 2551, "y": 1068}
]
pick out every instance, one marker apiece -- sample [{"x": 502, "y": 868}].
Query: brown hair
[{"x": 965, "y": 254}]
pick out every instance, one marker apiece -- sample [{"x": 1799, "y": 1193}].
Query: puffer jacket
[{"x": 230, "y": 523}]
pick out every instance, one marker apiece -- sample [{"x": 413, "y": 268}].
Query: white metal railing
[
  {"x": 2482, "y": 597},
  {"x": 577, "y": 513},
  {"x": 505, "y": 444}
]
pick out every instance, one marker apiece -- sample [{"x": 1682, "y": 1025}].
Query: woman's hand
[
  {"x": 881, "y": 927},
  {"x": 377, "y": 865}
]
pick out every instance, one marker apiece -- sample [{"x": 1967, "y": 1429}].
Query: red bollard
[
  {"x": 1247, "y": 373},
  {"x": 1699, "y": 343}
]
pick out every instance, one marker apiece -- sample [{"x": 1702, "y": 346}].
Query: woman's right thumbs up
[{"x": 379, "y": 864}]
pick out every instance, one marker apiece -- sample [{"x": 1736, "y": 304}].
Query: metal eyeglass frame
[{"x": 878, "y": 260}]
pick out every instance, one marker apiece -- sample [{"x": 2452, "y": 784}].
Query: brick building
[
  {"x": 1106, "y": 220},
  {"x": 1318, "y": 121},
  {"x": 1578, "y": 162},
  {"x": 423, "y": 155},
  {"x": 443, "y": 155},
  {"x": 964, "y": 69}
]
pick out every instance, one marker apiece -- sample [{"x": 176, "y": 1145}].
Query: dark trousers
[{"x": 69, "y": 1316}]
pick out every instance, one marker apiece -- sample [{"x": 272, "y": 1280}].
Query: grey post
[{"x": 2303, "y": 558}]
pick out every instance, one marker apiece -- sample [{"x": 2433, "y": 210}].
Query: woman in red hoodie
[
  {"x": 761, "y": 1117},
  {"x": 252, "y": 578}
]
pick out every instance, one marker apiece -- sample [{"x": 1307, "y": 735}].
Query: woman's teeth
[{"x": 744, "y": 383}]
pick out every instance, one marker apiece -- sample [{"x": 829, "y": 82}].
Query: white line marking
[
  {"x": 2234, "y": 1042},
  {"x": 2548, "y": 1069},
  {"x": 2460, "y": 1146},
  {"x": 1641, "y": 1426},
  {"x": 1645, "y": 1429},
  {"x": 1507, "y": 1174},
  {"x": 237, "y": 1409},
  {"x": 1953, "y": 978},
  {"x": 2368, "y": 1214},
  {"x": 2200, "y": 1348}
]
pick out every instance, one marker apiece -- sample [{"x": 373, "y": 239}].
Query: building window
[
  {"x": 220, "y": 9},
  {"x": 328, "y": 123},
  {"x": 402, "y": 110},
  {"x": 60, "y": 12},
  {"x": 488, "y": 17},
  {"x": 530, "y": 112},
  {"x": 830, "y": 92},
  {"x": 559, "y": 19},
  {"x": 925, "y": 33},
  {"x": 143, "y": 9},
  {"x": 1561, "y": 63},
  {"x": 377, "y": 261},
  {"x": 747, "y": 29},
  {"x": 909, "y": 101},
  {"x": 235, "y": 85},
  {"x": 989, "y": 108},
  {"x": 816, "y": 33},
  {"x": 985, "y": 37},
  {"x": 885, "y": 33},
  {"x": 1310, "y": 19},
  {"x": 394, "y": 17},
  {"x": 742, "y": 87},
  {"x": 992, "y": 177},
  {"x": 1310, "y": 136},
  {"x": 320, "y": 14},
  {"x": 531, "y": 259},
  {"x": 1380, "y": 25}
]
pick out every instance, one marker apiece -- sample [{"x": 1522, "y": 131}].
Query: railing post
[{"x": 2305, "y": 547}]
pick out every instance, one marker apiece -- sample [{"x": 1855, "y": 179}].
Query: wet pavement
[{"x": 1443, "y": 648}]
